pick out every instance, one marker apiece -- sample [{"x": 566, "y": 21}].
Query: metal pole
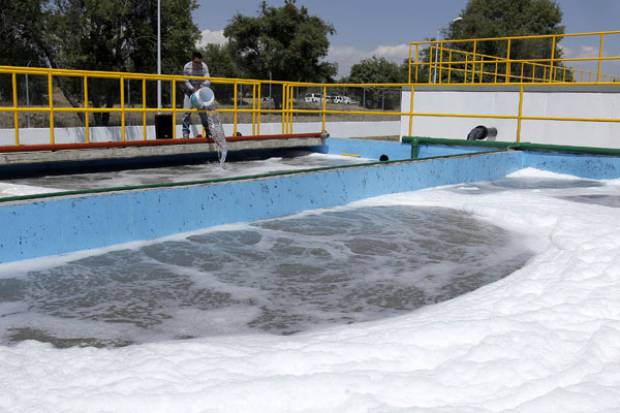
[
  {"x": 456, "y": 19},
  {"x": 436, "y": 57},
  {"x": 28, "y": 96},
  {"x": 27, "y": 102},
  {"x": 159, "y": 53}
]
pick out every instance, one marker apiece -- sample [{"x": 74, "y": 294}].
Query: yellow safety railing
[
  {"x": 472, "y": 67},
  {"x": 435, "y": 61},
  {"x": 256, "y": 108},
  {"x": 487, "y": 69},
  {"x": 411, "y": 114}
]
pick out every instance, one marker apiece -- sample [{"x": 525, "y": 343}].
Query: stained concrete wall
[{"x": 550, "y": 101}]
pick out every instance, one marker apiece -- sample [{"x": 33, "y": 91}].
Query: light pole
[
  {"x": 456, "y": 19},
  {"x": 159, "y": 53}
]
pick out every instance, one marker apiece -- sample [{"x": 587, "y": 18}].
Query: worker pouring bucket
[{"x": 204, "y": 99}]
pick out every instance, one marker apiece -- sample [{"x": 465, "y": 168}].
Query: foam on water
[
  {"x": 179, "y": 173},
  {"x": 279, "y": 276},
  {"x": 525, "y": 182},
  {"x": 544, "y": 339},
  {"x": 609, "y": 200}
]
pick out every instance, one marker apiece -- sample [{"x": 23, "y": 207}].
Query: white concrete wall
[
  {"x": 103, "y": 134},
  {"x": 547, "y": 103}
]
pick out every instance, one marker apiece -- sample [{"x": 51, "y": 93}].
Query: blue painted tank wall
[
  {"x": 584, "y": 166},
  {"x": 53, "y": 226},
  {"x": 366, "y": 148},
  {"x": 60, "y": 225}
]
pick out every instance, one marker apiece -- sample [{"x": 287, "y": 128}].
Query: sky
[{"x": 383, "y": 28}]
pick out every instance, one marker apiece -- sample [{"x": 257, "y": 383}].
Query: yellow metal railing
[
  {"x": 435, "y": 61},
  {"x": 255, "y": 110},
  {"x": 479, "y": 68},
  {"x": 290, "y": 91}
]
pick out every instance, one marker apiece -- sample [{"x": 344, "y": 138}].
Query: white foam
[
  {"x": 545, "y": 339},
  {"x": 7, "y": 189},
  {"x": 539, "y": 173}
]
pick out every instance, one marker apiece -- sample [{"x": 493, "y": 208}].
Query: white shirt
[{"x": 191, "y": 70}]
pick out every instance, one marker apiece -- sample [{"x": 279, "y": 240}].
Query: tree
[
  {"x": 18, "y": 23},
  {"x": 115, "y": 35},
  {"x": 281, "y": 43},
  {"x": 118, "y": 35},
  {"x": 497, "y": 18},
  {"x": 377, "y": 70},
  {"x": 221, "y": 64},
  {"x": 221, "y": 61}
]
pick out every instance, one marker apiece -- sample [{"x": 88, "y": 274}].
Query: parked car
[
  {"x": 313, "y": 98},
  {"x": 343, "y": 100}
]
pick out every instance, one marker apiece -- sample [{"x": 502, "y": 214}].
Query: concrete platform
[
  {"x": 35, "y": 160},
  {"x": 36, "y": 154}
]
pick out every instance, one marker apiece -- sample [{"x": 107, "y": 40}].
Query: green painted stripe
[{"x": 527, "y": 146}]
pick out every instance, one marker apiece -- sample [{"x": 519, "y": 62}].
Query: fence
[
  {"x": 435, "y": 61},
  {"x": 472, "y": 67}
]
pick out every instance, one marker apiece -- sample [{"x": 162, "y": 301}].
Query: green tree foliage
[
  {"x": 220, "y": 60},
  {"x": 221, "y": 63},
  {"x": 497, "y": 18},
  {"x": 377, "y": 70},
  {"x": 116, "y": 35},
  {"x": 20, "y": 22},
  {"x": 282, "y": 43}
]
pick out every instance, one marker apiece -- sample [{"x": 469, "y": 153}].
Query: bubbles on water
[
  {"x": 609, "y": 200},
  {"x": 523, "y": 183},
  {"x": 280, "y": 276},
  {"x": 184, "y": 173}
]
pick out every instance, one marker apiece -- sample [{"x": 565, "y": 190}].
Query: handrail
[
  {"x": 289, "y": 108},
  {"x": 551, "y": 65}
]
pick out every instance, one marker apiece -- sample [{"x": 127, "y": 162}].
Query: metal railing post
[
  {"x": 260, "y": 105},
  {"x": 409, "y": 64},
  {"x": 15, "y": 106},
  {"x": 173, "y": 91},
  {"x": 50, "y": 91},
  {"x": 601, "y": 46},
  {"x": 508, "y": 61},
  {"x": 553, "y": 45},
  {"x": 324, "y": 114},
  {"x": 430, "y": 65},
  {"x": 417, "y": 57},
  {"x": 235, "y": 109},
  {"x": 473, "y": 67},
  {"x": 449, "y": 67},
  {"x": 122, "y": 84},
  {"x": 411, "y": 101},
  {"x": 440, "y": 63},
  {"x": 520, "y": 113},
  {"x": 283, "y": 106},
  {"x": 144, "y": 128},
  {"x": 86, "y": 112}
]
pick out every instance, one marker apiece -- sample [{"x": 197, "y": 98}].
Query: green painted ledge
[{"x": 416, "y": 141}]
